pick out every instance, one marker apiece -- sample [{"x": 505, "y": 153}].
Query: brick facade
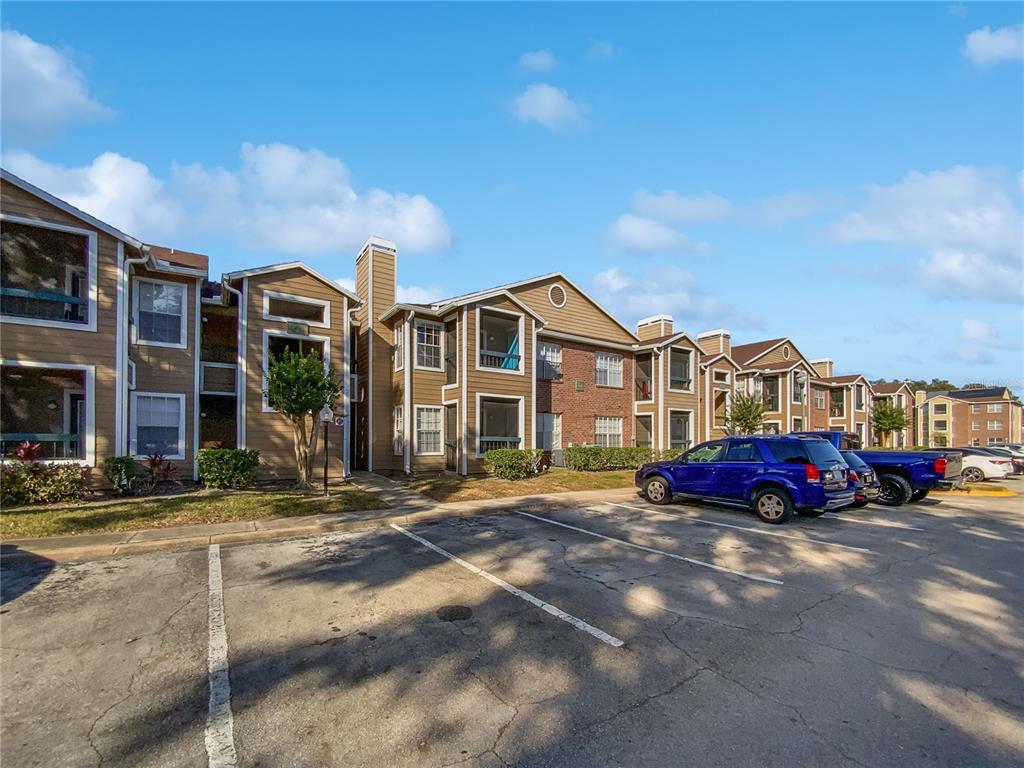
[{"x": 580, "y": 408}]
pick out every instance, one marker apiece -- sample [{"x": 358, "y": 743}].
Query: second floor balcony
[{"x": 500, "y": 345}]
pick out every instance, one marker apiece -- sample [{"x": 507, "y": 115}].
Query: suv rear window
[
  {"x": 787, "y": 451},
  {"x": 823, "y": 452}
]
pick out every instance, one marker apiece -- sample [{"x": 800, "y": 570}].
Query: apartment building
[
  {"x": 901, "y": 396},
  {"x": 776, "y": 371},
  {"x": 974, "y": 417},
  {"x": 849, "y": 400}
]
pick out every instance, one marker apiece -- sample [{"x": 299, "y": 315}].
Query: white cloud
[
  {"x": 412, "y": 294},
  {"x": 538, "y": 61},
  {"x": 43, "y": 91},
  {"x": 965, "y": 219},
  {"x": 601, "y": 49},
  {"x": 643, "y": 235},
  {"x": 549, "y": 106},
  {"x": 987, "y": 46},
  {"x": 668, "y": 289},
  {"x": 348, "y": 283},
  {"x": 671, "y": 206},
  {"x": 280, "y": 199},
  {"x": 977, "y": 342}
]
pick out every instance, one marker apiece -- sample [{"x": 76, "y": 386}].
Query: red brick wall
[{"x": 579, "y": 409}]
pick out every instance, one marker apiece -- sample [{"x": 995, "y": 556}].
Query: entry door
[{"x": 451, "y": 438}]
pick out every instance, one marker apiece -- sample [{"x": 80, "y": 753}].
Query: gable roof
[
  {"x": 849, "y": 378},
  {"x": 890, "y": 389},
  {"x": 437, "y": 310},
  {"x": 667, "y": 340},
  {"x": 179, "y": 258},
  {"x": 971, "y": 394},
  {"x": 712, "y": 359},
  {"x": 293, "y": 265},
  {"x": 746, "y": 353}
]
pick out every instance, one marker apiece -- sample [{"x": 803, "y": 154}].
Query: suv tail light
[
  {"x": 811, "y": 473},
  {"x": 854, "y": 477},
  {"x": 940, "y": 466}
]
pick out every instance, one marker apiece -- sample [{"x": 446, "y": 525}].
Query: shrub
[
  {"x": 227, "y": 467},
  {"x": 514, "y": 463},
  {"x": 31, "y": 482},
  {"x": 119, "y": 472},
  {"x": 593, "y": 458}
]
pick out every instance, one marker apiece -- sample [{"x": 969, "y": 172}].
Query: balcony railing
[
  {"x": 42, "y": 305},
  {"x": 494, "y": 442},
  {"x": 505, "y": 360},
  {"x": 771, "y": 403},
  {"x": 51, "y": 445},
  {"x": 837, "y": 410}
]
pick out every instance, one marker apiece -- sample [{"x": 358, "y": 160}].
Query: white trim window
[
  {"x": 819, "y": 398},
  {"x": 429, "y": 345},
  {"x": 798, "y": 424},
  {"x": 995, "y": 424},
  {"x": 429, "y": 430},
  {"x": 679, "y": 429},
  {"x": 158, "y": 424},
  {"x": 975, "y": 426},
  {"x": 608, "y": 431},
  {"x": 399, "y": 346},
  {"x": 799, "y": 387},
  {"x": 158, "y": 307},
  {"x": 995, "y": 408},
  {"x": 721, "y": 377},
  {"x": 549, "y": 361},
  {"x": 398, "y": 430},
  {"x": 289, "y": 308},
  {"x": 680, "y": 370},
  {"x": 975, "y": 408},
  {"x": 549, "y": 431},
  {"x": 218, "y": 379},
  {"x": 608, "y": 371}
]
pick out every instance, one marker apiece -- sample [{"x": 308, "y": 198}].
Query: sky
[{"x": 848, "y": 175}]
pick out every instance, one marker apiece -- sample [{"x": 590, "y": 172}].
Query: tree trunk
[{"x": 301, "y": 444}]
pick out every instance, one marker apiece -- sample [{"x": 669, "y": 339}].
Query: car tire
[
  {"x": 657, "y": 491},
  {"x": 972, "y": 475},
  {"x": 918, "y": 495},
  {"x": 895, "y": 491},
  {"x": 772, "y": 505}
]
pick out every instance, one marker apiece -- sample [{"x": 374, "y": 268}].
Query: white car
[{"x": 976, "y": 468}]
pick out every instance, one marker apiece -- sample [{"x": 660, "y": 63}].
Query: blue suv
[{"x": 774, "y": 475}]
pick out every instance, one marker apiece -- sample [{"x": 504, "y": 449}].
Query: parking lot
[{"x": 611, "y": 635}]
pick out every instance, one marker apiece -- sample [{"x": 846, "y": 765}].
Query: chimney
[
  {"x": 715, "y": 342},
  {"x": 654, "y": 326},
  {"x": 823, "y": 367}
]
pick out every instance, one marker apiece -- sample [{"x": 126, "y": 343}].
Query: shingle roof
[
  {"x": 744, "y": 353},
  {"x": 848, "y": 379},
  {"x": 180, "y": 258},
  {"x": 969, "y": 394},
  {"x": 888, "y": 389}
]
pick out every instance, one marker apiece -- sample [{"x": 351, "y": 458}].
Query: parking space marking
[
  {"x": 601, "y": 635},
  {"x": 220, "y": 741},
  {"x": 741, "y": 528},
  {"x": 661, "y": 552},
  {"x": 879, "y": 523}
]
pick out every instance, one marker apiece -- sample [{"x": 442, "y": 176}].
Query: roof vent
[{"x": 556, "y": 295}]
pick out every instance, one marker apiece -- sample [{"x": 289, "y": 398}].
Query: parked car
[
  {"x": 905, "y": 476},
  {"x": 1016, "y": 458},
  {"x": 978, "y": 465},
  {"x": 774, "y": 475},
  {"x": 863, "y": 480}
]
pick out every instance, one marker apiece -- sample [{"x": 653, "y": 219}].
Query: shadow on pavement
[{"x": 30, "y": 571}]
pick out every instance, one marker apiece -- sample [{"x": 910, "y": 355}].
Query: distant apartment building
[
  {"x": 901, "y": 396},
  {"x": 968, "y": 417}
]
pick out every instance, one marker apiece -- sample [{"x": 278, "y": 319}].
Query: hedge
[
  {"x": 227, "y": 467},
  {"x": 514, "y": 463},
  {"x": 38, "y": 483},
  {"x": 591, "y": 458}
]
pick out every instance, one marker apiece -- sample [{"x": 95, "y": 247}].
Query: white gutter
[
  {"x": 122, "y": 340},
  {"x": 240, "y": 368}
]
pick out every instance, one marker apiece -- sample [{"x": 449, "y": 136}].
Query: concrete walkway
[{"x": 411, "y": 508}]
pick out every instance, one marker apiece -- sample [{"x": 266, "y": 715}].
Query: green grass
[
  {"x": 157, "y": 512},
  {"x": 452, "y": 488}
]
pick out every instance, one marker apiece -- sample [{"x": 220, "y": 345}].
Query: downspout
[
  {"x": 239, "y": 381},
  {"x": 122, "y": 438}
]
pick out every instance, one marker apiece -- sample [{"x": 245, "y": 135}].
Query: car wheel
[
  {"x": 894, "y": 491},
  {"x": 656, "y": 490},
  {"x": 972, "y": 475},
  {"x": 918, "y": 495},
  {"x": 773, "y": 505}
]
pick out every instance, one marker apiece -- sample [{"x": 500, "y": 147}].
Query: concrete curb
[{"x": 95, "y": 546}]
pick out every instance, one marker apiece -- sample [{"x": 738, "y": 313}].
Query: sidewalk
[{"x": 411, "y": 508}]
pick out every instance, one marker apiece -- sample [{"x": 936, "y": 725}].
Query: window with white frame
[
  {"x": 301, "y": 309},
  {"x": 975, "y": 442},
  {"x": 608, "y": 431},
  {"x": 975, "y": 426},
  {"x": 860, "y": 397},
  {"x": 679, "y": 429},
  {"x": 160, "y": 317},
  {"x": 995, "y": 424},
  {"x": 721, "y": 377},
  {"x": 996, "y": 441},
  {"x": 428, "y": 430},
  {"x": 609, "y": 370},
  {"x": 549, "y": 431},
  {"x": 819, "y": 398},
  {"x": 48, "y": 406},
  {"x": 679, "y": 378},
  {"x": 399, "y": 346},
  {"x": 995, "y": 408},
  {"x": 549, "y": 361},
  {"x": 428, "y": 344},
  {"x": 798, "y": 424},
  {"x": 398, "y": 431},
  {"x": 939, "y": 425},
  {"x": 940, "y": 408},
  {"x": 799, "y": 387},
  {"x": 158, "y": 425},
  {"x": 975, "y": 408}
]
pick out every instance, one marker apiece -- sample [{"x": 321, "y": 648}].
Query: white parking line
[
  {"x": 220, "y": 742},
  {"x": 741, "y": 528},
  {"x": 601, "y": 635},
  {"x": 879, "y": 523},
  {"x": 689, "y": 560}
]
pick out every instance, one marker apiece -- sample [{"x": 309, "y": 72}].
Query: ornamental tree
[
  {"x": 745, "y": 415},
  {"x": 888, "y": 418}
]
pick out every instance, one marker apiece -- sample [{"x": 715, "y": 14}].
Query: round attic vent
[
  {"x": 785, "y": 352},
  {"x": 556, "y": 295}
]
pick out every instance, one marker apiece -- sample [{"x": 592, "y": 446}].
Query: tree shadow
[{"x": 21, "y": 571}]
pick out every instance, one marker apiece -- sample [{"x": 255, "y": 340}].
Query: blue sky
[{"x": 849, "y": 175}]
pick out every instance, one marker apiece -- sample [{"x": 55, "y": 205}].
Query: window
[
  {"x": 608, "y": 431},
  {"x": 770, "y": 393},
  {"x": 643, "y": 432},
  {"x": 48, "y": 406},
  {"x": 549, "y": 361},
  {"x": 901, "y": 401},
  {"x": 975, "y": 426},
  {"x": 860, "y": 397},
  {"x": 771, "y": 428},
  {"x": 160, "y": 313},
  {"x": 274, "y": 345},
  {"x": 499, "y": 339},
  {"x": 549, "y": 431},
  {"x": 428, "y": 344},
  {"x": 995, "y": 424},
  {"x": 742, "y": 452},
  {"x": 47, "y": 274},
  {"x": 399, "y": 346},
  {"x": 217, "y": 379},
  {"x": 940, "y": 408},
  {"x": 288, "y": 308},
  {"x": 398, "y": 431},
  {"x": 721, "y": 406},
  {"x": 798, "y": 424},
  {"x": 939, "y": 425},
  {"x": 609, "y": 369},
  {"x": 975, "y": 408},
  {"x": 679, "y": 370},
  {"x": 788, "y": 451},
  {"x": 819, "y": 398},
  {"x": 643, "y": 376},
  {"x": 451, "y": 352},
  {"x": 837, "y": 403},
  {"x": 705, "y": 453},
  {"x": 428, "y": 430},
  {"x": 721, "y": 377},
  {"x": 158, "y": 425},
  {"x": 679, "y": 429},
  {"x": 498, "y": 423},
  {"x": 995, "y": 441},
  {"x": 975, "y": 442},
  {"x": 799, "y": 387},
  {"x": 995, "y": 408}
]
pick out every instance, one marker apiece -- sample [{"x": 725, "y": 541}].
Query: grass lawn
[
  {"x": 192, "y": 509},
  {"x": 452, "y": 488}
]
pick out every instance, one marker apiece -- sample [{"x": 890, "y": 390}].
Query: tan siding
[{"x": 580, "y": 316}]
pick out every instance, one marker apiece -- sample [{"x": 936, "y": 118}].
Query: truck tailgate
[{"x": 954, "y": 464}]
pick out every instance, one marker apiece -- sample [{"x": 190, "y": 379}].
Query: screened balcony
[
  {"x": 499, "y": 424},
  {"x": 44, "y": 274},
  {"x": 499, "y": 341},
  {"x": 45, "y": 406},
  {"x": 836, "y": 403},
  {"x": 644, "y": 377}
]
